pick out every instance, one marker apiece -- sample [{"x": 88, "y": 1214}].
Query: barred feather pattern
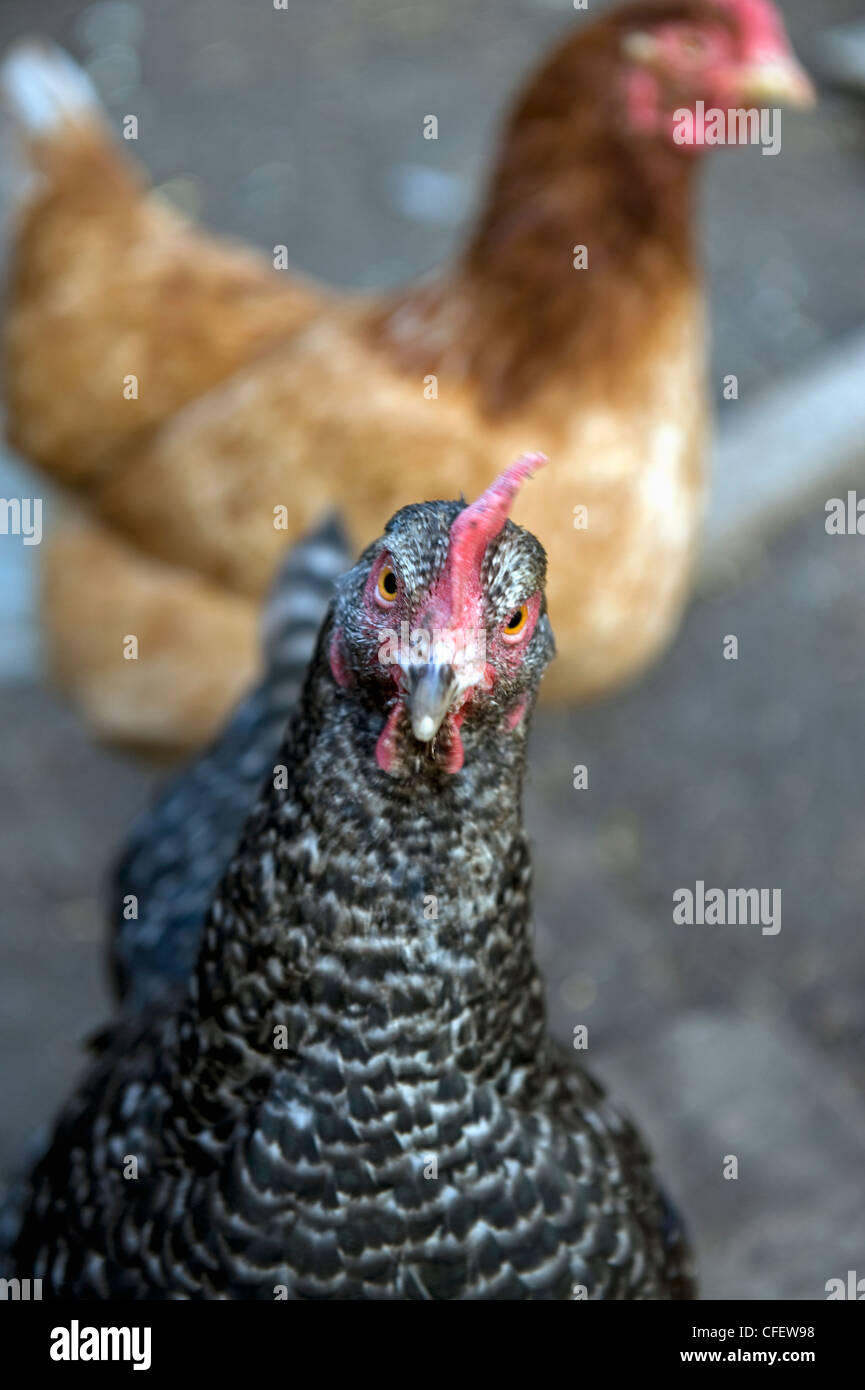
[
  {"x": 177, "y": 849},
  {"x": 358, "y": 1099}
]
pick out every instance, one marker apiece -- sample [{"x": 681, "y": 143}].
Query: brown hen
[{"x": 262, "y": 400}]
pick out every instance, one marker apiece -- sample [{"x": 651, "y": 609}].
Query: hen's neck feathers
[
  {"x": 514, "y": 310},
  {"x": 387, "y": 916}
]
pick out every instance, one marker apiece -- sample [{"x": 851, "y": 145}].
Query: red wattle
[
  {"x": 514, "y": 715},
  {"x": 454, "y": 753},
  {"x": 385, "y": 748}
]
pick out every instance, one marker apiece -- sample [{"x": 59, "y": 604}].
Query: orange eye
[
  {"x": 517, "y": 621},
  {"x": 387, "y": 585}
]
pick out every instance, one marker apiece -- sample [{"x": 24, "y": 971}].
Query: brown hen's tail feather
[
  {"x": 57, "y": 141},
  {"x": 45, "y": 91},
  {"x": 119, "y": 310}
]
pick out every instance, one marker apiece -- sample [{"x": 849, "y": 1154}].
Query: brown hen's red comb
[
  {"x": 761, "y": 23},
  {"x": 475, "y": 527}
]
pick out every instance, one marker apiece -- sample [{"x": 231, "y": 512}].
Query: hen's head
[
  {"x": 442, "y": 627},
  {"x": 726, "y": 54}
]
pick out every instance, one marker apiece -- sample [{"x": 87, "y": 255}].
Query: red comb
[
  {"x": 762, "y": 25},
  {"x": 480, "y": 522},
  {"x": 475, "y": 527}
]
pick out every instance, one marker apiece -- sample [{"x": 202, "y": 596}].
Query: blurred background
[{"x": 301, "y": 129}]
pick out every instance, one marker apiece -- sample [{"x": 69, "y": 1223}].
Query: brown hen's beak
[
  {"x": 776, "y": 82},
  {"x": 431, "y": 688}
]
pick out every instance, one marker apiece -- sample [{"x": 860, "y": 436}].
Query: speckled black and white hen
[
  {"x": 357, "y": 1097},
  {"x": 176, "y": 851}
]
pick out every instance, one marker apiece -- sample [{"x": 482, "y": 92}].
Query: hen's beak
[
  {"x": 776, "y": 82},
  {"x": 430, "y": 690}
]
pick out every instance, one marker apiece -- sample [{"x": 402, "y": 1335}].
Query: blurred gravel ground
[{"x": 744, "y": 773}]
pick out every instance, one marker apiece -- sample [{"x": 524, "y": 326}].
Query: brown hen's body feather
[
  {"x": 108, "y": 281},
  {"x": 260, "y": 394}
]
